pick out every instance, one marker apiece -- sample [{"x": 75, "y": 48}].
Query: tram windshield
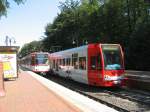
[
  {"x": 41, "y": 59},
  {"x": 112, "y": 57}
]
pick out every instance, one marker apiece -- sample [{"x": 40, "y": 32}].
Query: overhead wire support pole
[
  {"x": 10, "y": 40},
  {"x": 6, "y": 40}
]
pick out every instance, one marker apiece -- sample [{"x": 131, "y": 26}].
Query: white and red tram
[
  {"x": 36, "y": 62},
  {"x": 93, "y": 64}
]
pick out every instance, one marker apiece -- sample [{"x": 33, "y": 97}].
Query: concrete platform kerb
[{"x": 80, "y": 101}]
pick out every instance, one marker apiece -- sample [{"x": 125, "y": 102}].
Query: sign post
[{"x": 2, "y": 89}]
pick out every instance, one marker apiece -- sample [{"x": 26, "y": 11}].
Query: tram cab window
[
  {"x": 82, "y": 63},
  {"x": 112, "y": 57}
]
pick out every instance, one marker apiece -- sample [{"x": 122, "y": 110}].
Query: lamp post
[
  {"x": 10, "y": 40},
  {"x": 75, "y": 42},
  {"x": 85, "y": 42},
  {"x": 6, "y": 40}
]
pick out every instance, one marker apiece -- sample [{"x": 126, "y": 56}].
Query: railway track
[
  {"x": 117, "y": 101},
  {"x": 120, "y": 109},
  {"x": 136, "y": 96},
  {"x": 123, "y": 100}
]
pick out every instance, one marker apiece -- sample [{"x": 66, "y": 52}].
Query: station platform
[
  {"x": 138, "y": 79},
  {"x": 33, "y": 93},
  {"x": 139, "y": 75}
]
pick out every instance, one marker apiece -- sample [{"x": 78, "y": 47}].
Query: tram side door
[{"x": 94, "y": 64}]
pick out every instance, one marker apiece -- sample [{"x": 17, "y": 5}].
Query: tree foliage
[
  {"x": 5, "y": 4},
  {"x": 30, "y": 47},
  {"x": 139, "y": 51},
  {"x": 103, "y": 21}
]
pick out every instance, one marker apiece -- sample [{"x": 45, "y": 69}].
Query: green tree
[
  {"x": 34, "y": 46},
  {"x": 62, "y": 31},
  {"x": 139, "y": 51},
  {"x": 5, "y": 4},
  {"x": 103, "y": 21}
]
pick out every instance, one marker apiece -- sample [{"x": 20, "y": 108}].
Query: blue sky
[{"x": 27, "y": 22}]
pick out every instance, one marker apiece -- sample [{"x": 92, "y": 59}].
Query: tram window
[
  {"x": 99, "y": 65},
  {"x": 63, "y": 62},
  {"x": 112, "y": 57},
  {"x": 68, "y": 61},
  {"x": 59, "y": 62},
  {"x": 82, "y": 63},
  {"x": 75, "y": 63},
  {"x": 29, "y": 61},
  {"x": 75, "y": 60},
  {"x": 53, "y": 63},
  {"x": 93, "y": 62}
]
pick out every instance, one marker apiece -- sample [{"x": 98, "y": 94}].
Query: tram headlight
[
  {"x": 107, "y": 77},
  {"x": 117, "y": 82}
]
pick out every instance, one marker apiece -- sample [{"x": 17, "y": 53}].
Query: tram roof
[
  {"x": 70, "y": 50},
  {"x": 81, "y": 47}
]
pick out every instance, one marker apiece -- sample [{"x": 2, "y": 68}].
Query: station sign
[{"x": 8, "y": 56}]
